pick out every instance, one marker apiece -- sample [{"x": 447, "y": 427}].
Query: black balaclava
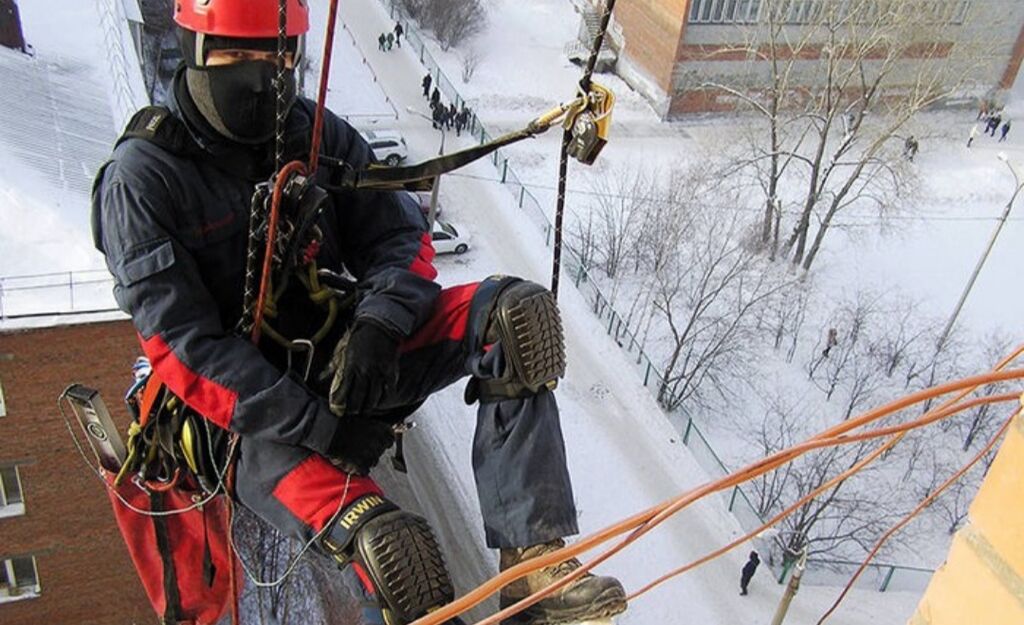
[{"x": 238, "y": 100}]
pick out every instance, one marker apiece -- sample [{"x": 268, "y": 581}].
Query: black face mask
[{"x": 239, "y": 100}]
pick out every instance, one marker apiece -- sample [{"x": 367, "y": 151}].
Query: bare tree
[
  {"x": 470, "y": 60},
  {"x": 709, "y": 297},
  {"x": 842, "y": 522},
  {"x": 313, "y": 593},
  {"x": 837, "y": 137},
  {"x": 452, "y": 21},
  {"x": 621, "y": 201}
]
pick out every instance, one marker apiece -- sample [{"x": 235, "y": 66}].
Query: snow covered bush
[{"x": 452, "y": 21}]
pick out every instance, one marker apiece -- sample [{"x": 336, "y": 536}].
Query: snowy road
[{"x": 623, "y": 454}]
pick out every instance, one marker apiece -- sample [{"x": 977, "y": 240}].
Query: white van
[{"x": 388, "y": 146}]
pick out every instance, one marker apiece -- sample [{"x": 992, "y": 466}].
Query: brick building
[
  {"x": 668, "y": 48},
  {"x": 62, "y": 559},
  {"x": 10, "y": 26}
]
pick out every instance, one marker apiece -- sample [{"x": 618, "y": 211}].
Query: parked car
[
  {"x": 447, "y": 239},
  {"x": 423, "y": 201},
  {"x": 388, "y": 145}
]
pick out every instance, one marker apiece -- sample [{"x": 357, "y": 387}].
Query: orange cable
[
  {"x": 644, "y": 521},
  {"x": 927, "y": 501},
  {"x": 827, "y": 485}
]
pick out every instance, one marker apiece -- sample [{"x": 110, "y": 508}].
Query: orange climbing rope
[
  {"x": 927, "y": 501},
  {"x": 641, "y": 523}
]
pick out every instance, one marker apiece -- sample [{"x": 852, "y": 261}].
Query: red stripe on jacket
[
  {"x": 313, "y": 490},
  {"x": 448, "y": 321},
  {"x": 210, "y": 399},
  {"x": 422, "y": 265}
]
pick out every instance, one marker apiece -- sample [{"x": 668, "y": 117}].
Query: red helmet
[{"x": 246, "y": 19}]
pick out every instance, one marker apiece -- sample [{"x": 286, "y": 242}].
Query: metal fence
[
  {"x": 894, "y": 576},
  {"x": 61, "y": 293}
]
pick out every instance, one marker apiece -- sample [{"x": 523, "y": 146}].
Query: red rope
[
  {"x": 268, "y": 256},
  {"x": 325, "y": 70}
]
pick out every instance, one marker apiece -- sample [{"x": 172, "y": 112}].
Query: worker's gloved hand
[
  {"x": 359, "y": 443},
  {"x": 365, "y": 367}
]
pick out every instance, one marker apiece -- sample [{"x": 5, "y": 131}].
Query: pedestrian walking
[
  {"x": 910, "y": 148},
  {"x": 427, "y": 80},
  {"x": 399, "y": 31},
  {"x": 972, "y": 135},
  {"x": 748, "y": 571},
  {"x": 390, "y": 40},
  {"x": 381, "y": 41},
  {"x": 435, "y": 97},
  {"x": 993, "y": 123},
  {"x": 436, "y": 116},
  {"x": 452, "y": 112},
  {"x": 1005, "y": 131}
]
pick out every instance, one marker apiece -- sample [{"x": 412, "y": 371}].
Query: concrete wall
[
  {"x": 982, "y": 580},
  {"x": 84, "y": 569}
]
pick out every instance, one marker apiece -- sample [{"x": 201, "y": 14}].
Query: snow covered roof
[{"x": 56, "y": 118}]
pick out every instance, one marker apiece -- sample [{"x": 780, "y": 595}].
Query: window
[
  {"x": 19, "y": 579},
  {"x": 809, "y": 11},
  {"x": 11, "y": 501}
]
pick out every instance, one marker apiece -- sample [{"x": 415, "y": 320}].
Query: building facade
[
  {"x": 62, "y": 559},
  {"x": 671, "y": 50}
]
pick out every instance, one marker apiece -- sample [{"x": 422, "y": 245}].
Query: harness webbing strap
[
  {"x": 420, "y": 176},
  {"x": 157, "y": 125}
]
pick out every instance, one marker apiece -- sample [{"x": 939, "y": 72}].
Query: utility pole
[
  {"x": 432, "y": 213},
  {"x": 984, "y": 255},
  {"x": 791, "y": 588}
]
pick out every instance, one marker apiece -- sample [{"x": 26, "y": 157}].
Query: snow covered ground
[{"x": 624, "y": 455}]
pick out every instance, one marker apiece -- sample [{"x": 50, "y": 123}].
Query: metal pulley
[{"x": 589, "y": 120}]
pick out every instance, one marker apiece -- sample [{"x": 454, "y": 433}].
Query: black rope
[
  {"x": 281, "y": 105},
  {"x": 563, "y": 161},
  {"x": 260, "y": 197}
]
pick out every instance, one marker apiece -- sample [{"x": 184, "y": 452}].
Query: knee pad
[
  {"x": 399, "y": 554},
  {"x": 524, "y": 317}
]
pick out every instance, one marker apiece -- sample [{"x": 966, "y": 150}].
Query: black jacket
[
  {"x": 750, "y": 567},
  {"x": 173, "y": 228}
]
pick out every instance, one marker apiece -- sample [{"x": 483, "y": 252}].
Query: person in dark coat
[
  {"x": 1005, "y": 131},
  {"x": 381, "y": 40},
  {"x": 437, "y": 115},
  {"x": 748, "y": 571},
  {"x": 390, "y": 38},
  {"x": 172, "y": 218},
  {"x": 426, "y": 82},
  {"x": 435, "y": 97},
  {"x": 910, "y": 147},
  {"x": 399, "y": 31},
  {"x": 993, "y": 124}
]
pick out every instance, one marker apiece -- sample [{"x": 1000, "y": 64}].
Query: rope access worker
[{"x": 170, "y": 212}]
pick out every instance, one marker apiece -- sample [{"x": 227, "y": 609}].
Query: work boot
[{"x": 589, "y": 597}]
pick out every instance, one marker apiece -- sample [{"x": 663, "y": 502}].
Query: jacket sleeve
[
  {"x": 385, "y": 243},
  {"x": 221, "y": 376}
]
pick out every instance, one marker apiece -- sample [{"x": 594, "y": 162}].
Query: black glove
[
  {"x": 366, "y": 368},
  {"x": 359, "y": 443}
]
